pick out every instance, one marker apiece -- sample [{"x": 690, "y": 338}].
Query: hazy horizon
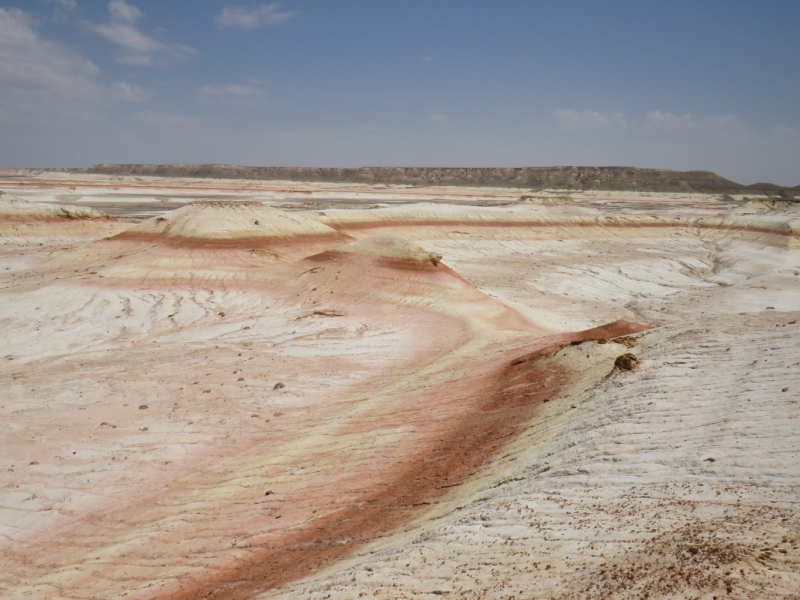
[{"x": 685, "y": 86}]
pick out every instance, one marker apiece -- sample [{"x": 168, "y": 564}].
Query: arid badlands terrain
[{"x": 231, "y": 389}]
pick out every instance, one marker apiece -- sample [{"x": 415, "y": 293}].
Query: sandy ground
[{"x": 331, "y": 391}]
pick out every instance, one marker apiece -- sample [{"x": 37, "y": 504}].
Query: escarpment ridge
[{"x": 532, "y": 178}]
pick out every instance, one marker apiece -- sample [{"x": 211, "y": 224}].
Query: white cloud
[
  {"x": 139, "y": 49},
  {"x": 589, "y": 119},
  {"x": 239, "y": 95},
  {"x": 129, "y": 92},
  {"x": 62, "y": 9},
  {"x": 725, "y": 122},
  {"x": 238, "y": 17},
  {"x": 667, "y": 121},
  {"x": 67, "y": 4},
  {"x": 122, "y": 11},
  {"x": 129, "y": 37},
  {"x": 42, "y": 78}
]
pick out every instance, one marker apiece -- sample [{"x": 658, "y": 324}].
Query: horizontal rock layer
[{"x": 533, "y": 178}]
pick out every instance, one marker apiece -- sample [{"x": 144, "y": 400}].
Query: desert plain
[{"x": 234, "y": 389}]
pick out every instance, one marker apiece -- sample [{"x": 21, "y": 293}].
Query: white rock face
[{"x": 298, "y": 415}]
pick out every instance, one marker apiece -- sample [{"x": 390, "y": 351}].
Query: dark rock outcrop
[{"x": 533, "y": 178}]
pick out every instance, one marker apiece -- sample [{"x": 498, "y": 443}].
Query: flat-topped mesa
[{"x": 533, "y": 178}]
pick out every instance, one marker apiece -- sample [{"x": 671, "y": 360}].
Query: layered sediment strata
[
  {"x": 281, "y": 501},
  {"x": 205, "y": 237},
  {"x": 534, "y": 178},
  {"x": 428, "y": 404},
  {"x": 22, "y": 218}
]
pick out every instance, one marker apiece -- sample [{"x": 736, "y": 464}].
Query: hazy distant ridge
[{"x": 535, "y": 178}]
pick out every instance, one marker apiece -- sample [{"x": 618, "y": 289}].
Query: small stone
[
  {"x": 626, "y": 362},
  {"x": 143, "y": 407}
]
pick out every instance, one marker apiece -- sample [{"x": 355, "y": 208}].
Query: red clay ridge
[{"x": 474, "y": 419}]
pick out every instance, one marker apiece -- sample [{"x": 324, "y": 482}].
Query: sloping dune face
[{"x": 552, "y": 400}]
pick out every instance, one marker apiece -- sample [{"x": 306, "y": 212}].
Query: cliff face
[{"x": 534, "y": 178}]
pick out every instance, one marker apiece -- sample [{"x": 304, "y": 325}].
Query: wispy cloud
[
  {"x": 589, "y": 119},
  {"x": 62, "y": 10},
  {"x": 43, "y": 78},
  {"x": 237, "y": 95},
  {"x": 725, "y": 122},
  {"x": 439, "y": 117},
  {"x": 129, "y": 92},
  {"x": 238, "y": 17},
  {"x": 122, "y": 11},
  {"x": 66, "y": 4},
  {"x": 138, "y": 48},
  {"x": 786, "y": 131},
  {"x": 667, "y": 121}
]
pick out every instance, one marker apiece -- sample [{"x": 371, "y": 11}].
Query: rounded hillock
[
  {"x": 23, "y": 218},
  {"x": 389, "y": 246},
  {"x": 25, "y": 208},
  {"x": 230, "y": 220}
]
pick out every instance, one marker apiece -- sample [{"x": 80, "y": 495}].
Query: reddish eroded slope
[
  {"x": 458, "y": 428},
  {"x": 21, "y": 218},
  {"x": 194, "y": 235},
  {"x": 264, "y": 507}
]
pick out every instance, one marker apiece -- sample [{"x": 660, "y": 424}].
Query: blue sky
[{"x": 700, "y": 84}]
